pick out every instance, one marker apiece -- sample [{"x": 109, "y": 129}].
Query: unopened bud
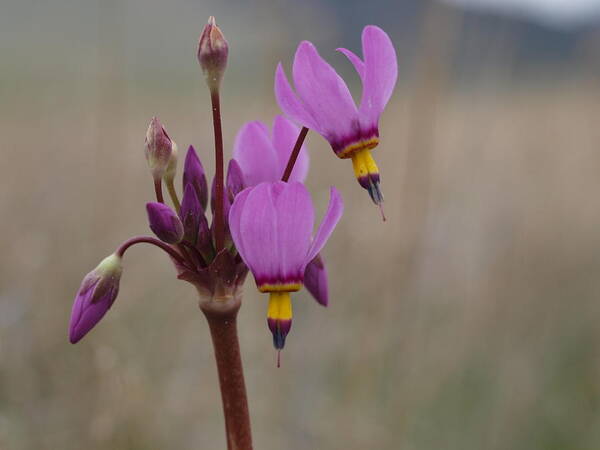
[
  {"x": 235, "y": 180},
  {"x": 95, "y": 296},
  {"x": 158, "y": 147},
  {"x": 164, "y": 222},
  {"x": 193, "y": 173},
  {"x": 212, "y": 54}
]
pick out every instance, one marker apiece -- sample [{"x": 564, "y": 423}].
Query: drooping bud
[
  {"x": 235, "y": 180},
  {"x": 315, "y": 280},
  {"x": 158, "y": 147},
  {"x": 164, "y": 222},
  {"x": 190, "y": 213},
  {"x": 171, "y": 169},
  {"x": 95, "y": 296},
  {"x": 193, "y": 173},
  {"x": 212, "y": 54}
]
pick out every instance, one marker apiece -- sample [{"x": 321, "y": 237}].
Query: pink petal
[
  {"x": 324, "y": 93},
  {"x": 289, "y": 103},
  {"x": 315, "y": 280},
  {"x": 235, "y": 215},
  {"x": 285, "y": 134},
  {"x": 295, "y": 220},
  {"x": 381, "y": 72},
  {"x": 330, "y": 220},
  {"x": 254, "y": 152},
  {"x": 258, "y": 233},
  {"x": 358, "y": 64}
]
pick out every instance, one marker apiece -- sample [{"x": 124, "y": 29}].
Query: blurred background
[{"x": 469, "y": 320}]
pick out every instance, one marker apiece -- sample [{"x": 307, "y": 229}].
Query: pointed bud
[
  {"x": 212, "y": 54},
  {"x": 164, "y": 222},
  {"x": 190, "y": 213},
  {"x": 193, "y": 173},
  {"x": 235, "y": 180},
  {"x": 171, "y": 169},
  {"x": 204, "y": 242},
  {"x": 315, "y": 280},
  {"x": 158, "y": 147},
  {"x": 95, "y": 296}
]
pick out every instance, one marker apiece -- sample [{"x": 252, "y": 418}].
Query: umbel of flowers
[{"x": 262, "y": 215}]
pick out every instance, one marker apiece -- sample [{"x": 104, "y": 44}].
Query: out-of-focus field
[{"x": 469, "y": 320}]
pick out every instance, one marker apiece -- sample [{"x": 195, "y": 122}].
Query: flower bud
[
  {"x": 95, "y": 296},
  {"x": 171, "y": 169},
  {"x": 158, "y": 147},
  {"x": 212, "y": 54},
  {"x": 164, "y": 222},
  {"x": 190, "y": 213},
  {"x": 193, "y": 173},
  {"x": 235, "y": 180}
]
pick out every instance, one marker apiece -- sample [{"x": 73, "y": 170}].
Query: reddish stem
[
  {"x": 222, "y": 320},
  {"x": 294, "y": 154},
  {"x": 149, "y": 240},
  {"x": 218, "y": 219}
]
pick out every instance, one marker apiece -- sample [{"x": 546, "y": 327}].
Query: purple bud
[
  {"x": 204, "y": 240},
  {"x": 95, "y": 296},
  {"x": 235, "y": 180},
  {"x": 164, "y": 222},
  {"x": 158, "y": 147},
  {"x": 190, "y": 213},
  {"x": 212, "y": 53},
  {"x": 315, "y": 280},
  {"x": 193, "y": 173}
]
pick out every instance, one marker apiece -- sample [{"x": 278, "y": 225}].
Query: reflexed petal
[
  {"x": 315, "y": 280},
  {"x": 254, "y": 153},
  {"x": 358, "y": 64},
  {"x": 381, "y": 72},
  {"x": 330, "y": 220},
  {"x": 324, "y": 93},
  {"x": 295, "y": 220},
  {"x": 258, "y": 233},
  {"x": 289, "y": 102},
  {"x": 285, "y": 134}
]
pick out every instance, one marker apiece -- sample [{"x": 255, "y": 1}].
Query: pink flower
[
  {"x": 262, "y": 155},
  {"x": 271, "y": 225},
  {"x": 322, "y": 101}
]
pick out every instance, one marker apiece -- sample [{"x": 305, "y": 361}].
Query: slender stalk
[
  {"x": 294, "y": 154},
  {"x": 222, "y": 321},
  {"x": 173, "y": 195},
  {"x": 149, "y": 240},
  {"x": 158, "y": 191},
  {"x": 218, "y": 220}
]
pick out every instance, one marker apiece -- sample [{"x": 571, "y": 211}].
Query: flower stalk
[
  {"x": 294, "y": 154},
  {"x": 219, "y": 177},
  {"x": 221, "y": 315}
]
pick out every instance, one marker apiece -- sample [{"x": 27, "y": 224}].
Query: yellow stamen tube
[{"x": 279, "y": 317}]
